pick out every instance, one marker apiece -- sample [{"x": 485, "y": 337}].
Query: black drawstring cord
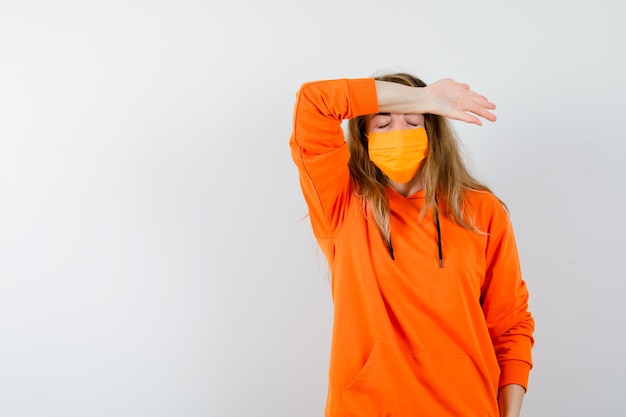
[
  {"x": 438, "y": 233},
  {"x": 390, "y": 246},
  {"x": 390, "y": 249}
]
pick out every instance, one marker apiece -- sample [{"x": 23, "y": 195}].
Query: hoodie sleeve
[
  {"x": 505, "y": 302},
  {"x": 320, "y": 151}
]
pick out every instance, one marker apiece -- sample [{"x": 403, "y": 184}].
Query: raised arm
[
  {"x": 445, "y": 97},
  {"x": 320, "y": 151}
]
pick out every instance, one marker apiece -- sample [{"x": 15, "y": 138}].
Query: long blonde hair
[{"x": 444, "y": 175}]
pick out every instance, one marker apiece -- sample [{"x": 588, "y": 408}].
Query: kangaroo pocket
[{"x": 397, "y": 383}]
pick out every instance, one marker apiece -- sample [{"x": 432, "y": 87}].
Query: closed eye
[
  {"x": 381, "y": 120},
  {"x": 414, "y": 120}
]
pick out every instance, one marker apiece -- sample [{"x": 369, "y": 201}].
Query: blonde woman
[{"x": 430, "y": 310}]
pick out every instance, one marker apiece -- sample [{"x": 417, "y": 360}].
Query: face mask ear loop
[{"x": 438, "y": 233}]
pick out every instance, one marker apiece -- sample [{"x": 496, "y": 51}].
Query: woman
[{"x": 430, "y": 309}]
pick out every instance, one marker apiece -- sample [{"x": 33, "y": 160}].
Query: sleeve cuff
[
  {"x": 514, "y": 372},
  {"x": 363, "y": 96}
]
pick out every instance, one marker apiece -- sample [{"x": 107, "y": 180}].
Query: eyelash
[
  {"x": 412, "y": 124},
  {"x": 409, "y": 123}
]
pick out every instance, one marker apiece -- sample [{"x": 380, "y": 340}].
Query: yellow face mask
[{"x": 399, "y": 153}]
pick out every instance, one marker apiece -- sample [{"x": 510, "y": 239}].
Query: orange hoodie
[{"x": 409, "y": 338}]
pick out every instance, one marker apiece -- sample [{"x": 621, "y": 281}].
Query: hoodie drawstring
[
  {"x": 390, "y": 249},
  {"x": 438, "y": 233},
  {"x": 439, "y": 246}
]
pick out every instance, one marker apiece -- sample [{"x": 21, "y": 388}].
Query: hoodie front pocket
[{"x": 397, "y": 383}]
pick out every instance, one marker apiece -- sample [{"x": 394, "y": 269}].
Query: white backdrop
[{"x": 155, "y": 257}]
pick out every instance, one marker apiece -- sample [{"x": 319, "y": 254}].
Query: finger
[
  {"x": 482, "y": 100},
  {"x": 481, "y": 111},
  {"x": 485, "y": 115},
  {"x": 468, "y": 118}
]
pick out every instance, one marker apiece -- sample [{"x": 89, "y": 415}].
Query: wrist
[{"x": 422, "y": 100}]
